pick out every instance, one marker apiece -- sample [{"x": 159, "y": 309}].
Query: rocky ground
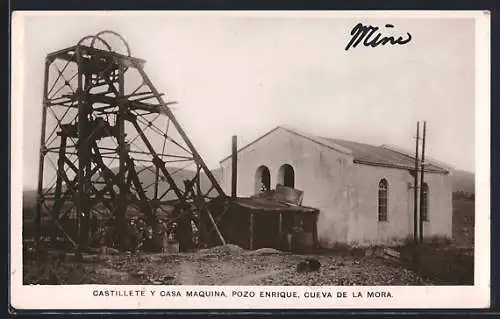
[{"x": 224, "y": 265}]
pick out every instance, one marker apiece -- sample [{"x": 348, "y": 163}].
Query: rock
[
  {"x": 110, "y": 273},
  {"x": 264, "y": 251},
  {"x": 109, "y": 251},
  {"x": 90, "y": 258},
  {"x": 308, "y": 265},
  {"x": 112, "y": 251},
  {"x": 314, "y": 264},
  {"x": 392, "y": 253},
  {"x": 224, "y": 250}
]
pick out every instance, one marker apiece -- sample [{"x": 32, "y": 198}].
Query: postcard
[{"x": 250, "y": 160}]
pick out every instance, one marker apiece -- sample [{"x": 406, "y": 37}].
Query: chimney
[{"x": 234, "y": 166}]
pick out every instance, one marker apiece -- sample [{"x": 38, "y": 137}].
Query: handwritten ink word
[{"x": 363, "y": 34}]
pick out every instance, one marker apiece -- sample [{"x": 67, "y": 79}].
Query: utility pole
[
  {"x": 421, "y": 220},
  {"x": 415, "y": 189},
  {"x": 234, "y": 167}
]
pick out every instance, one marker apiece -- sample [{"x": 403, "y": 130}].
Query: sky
[{"x": 235, "y": 75}]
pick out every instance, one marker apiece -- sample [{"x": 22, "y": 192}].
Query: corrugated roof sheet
[
  {"x": 271, "y": 205},
  {"x": 380, "y": 155}
]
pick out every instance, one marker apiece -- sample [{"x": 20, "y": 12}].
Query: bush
[
  {"x": 439, "y": 241},
  {"x": 448, "y": 266}
]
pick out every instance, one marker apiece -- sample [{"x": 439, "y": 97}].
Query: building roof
[
  {"x": 265, "y": 204},
  {"x": 384, "y": 155}
]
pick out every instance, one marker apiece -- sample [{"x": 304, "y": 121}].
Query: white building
[{"x": 364, "y": 192}]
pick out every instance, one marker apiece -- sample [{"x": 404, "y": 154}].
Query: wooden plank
[
  {"x": 280, "y": 227},
  {"x": 315, "y": 232},
  {"x": 280, "y": 230},
  {"x": 223, "y": 241},
  {"x": 251, "y": 230}
]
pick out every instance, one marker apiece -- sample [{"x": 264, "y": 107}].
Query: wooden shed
[{"x": 266, "y": 221}]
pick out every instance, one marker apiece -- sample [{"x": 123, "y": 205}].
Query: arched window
[
  {"x": 286, "y": 176},
  {"x": 262, "y": 179},
  {"x": 382, "y": 200},
  {"x": 425, "y": 202}
]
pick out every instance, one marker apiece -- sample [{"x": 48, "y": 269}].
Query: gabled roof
[
  {"x": 362, "y": 153},
  {"x": 383, "y": 156}
]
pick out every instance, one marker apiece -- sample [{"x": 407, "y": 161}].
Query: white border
[{"x": 81, "y": 297}]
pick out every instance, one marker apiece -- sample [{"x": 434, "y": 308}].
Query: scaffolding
[{"x": 111, "y": 147}]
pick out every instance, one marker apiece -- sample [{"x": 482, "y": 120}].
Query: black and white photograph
[{"x": 250, "y": 159}]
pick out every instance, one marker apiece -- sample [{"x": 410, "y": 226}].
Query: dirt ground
[{"x": 229, "y": 265}]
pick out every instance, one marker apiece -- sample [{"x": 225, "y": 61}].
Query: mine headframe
[{"x": 111, "y": 148}]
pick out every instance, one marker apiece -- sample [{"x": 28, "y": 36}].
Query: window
[
  {"x": 262, "y": 179},
  {"x": 286, "y": 176},
  {"x": 425, "y": 202},
  {"x": 382, "y": 200}
]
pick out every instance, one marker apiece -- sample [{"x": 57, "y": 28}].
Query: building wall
[
  {"x": 322, "y": 173},
  {"x": 440, "y": 205},
  {"x": 365, "y": 227}
]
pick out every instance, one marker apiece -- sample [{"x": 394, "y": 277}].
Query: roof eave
[
  {"x": 434, "y": 162},
  {"x": 404, "y": 167},
  {"x": 316, "y": 140}
]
